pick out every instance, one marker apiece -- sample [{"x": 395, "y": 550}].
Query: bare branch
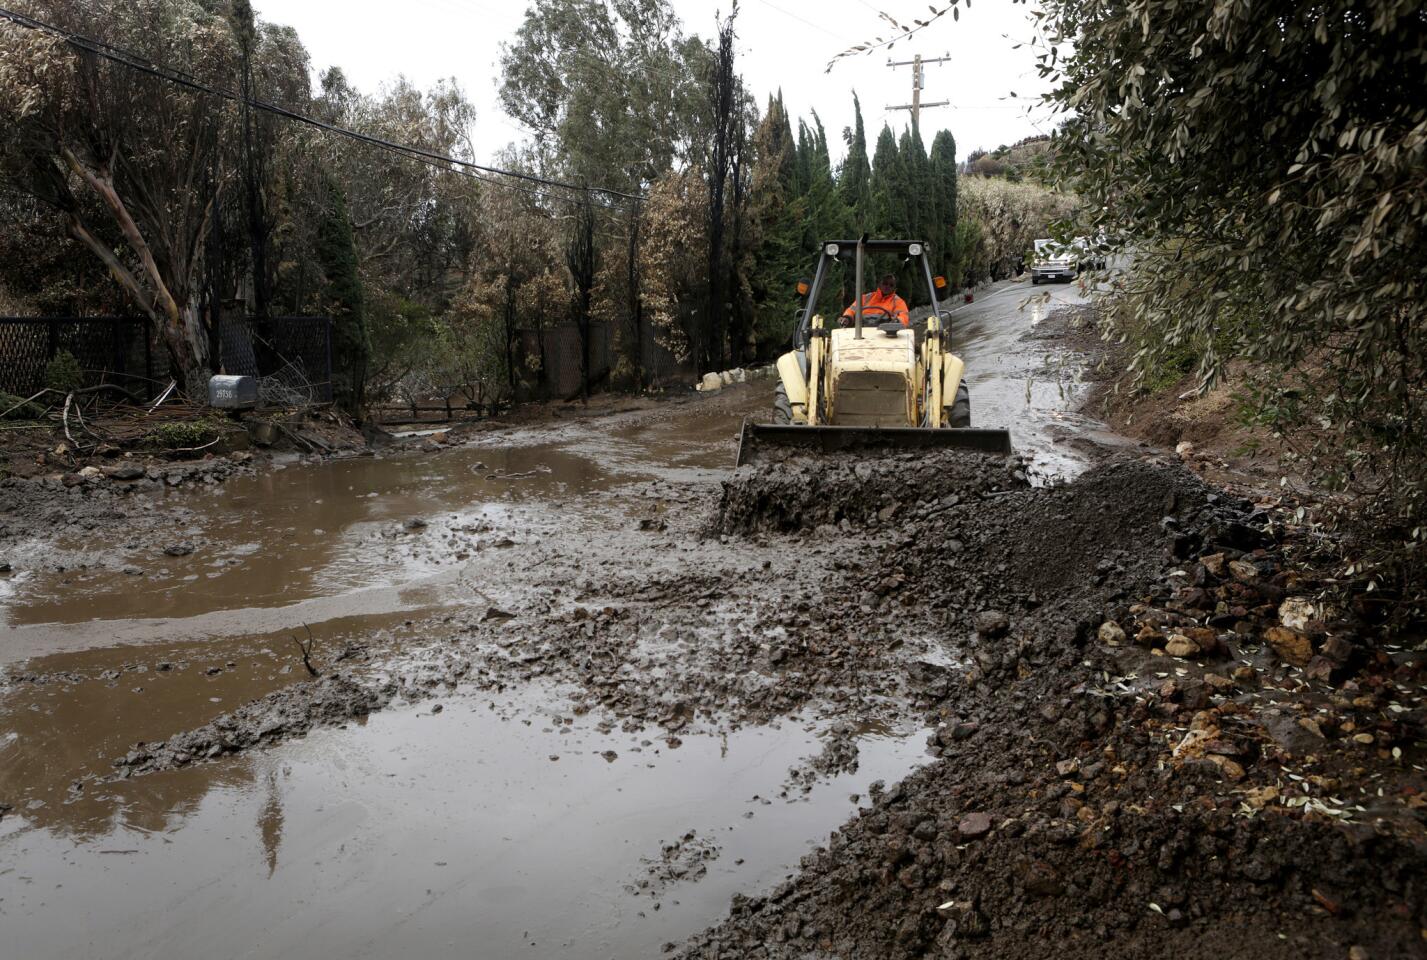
[{"x": 306, "y": 649}]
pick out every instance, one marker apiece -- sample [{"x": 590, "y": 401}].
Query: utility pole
[{"x": 918, "y": 75}]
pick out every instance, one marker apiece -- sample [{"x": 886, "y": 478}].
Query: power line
[
  {"x": 142, "y": 64},
  {"x": 802, "y": 20}
]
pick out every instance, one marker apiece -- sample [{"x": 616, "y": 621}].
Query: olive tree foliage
[
  {"x": 1267, "y": 164},
  {"x": 612, "y": 91},
  {"x": 134, "y": 169}
]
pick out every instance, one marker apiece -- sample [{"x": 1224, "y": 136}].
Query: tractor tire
[
  {"x": 782, "y": 407},
  {"x": 960, "y": 412}
]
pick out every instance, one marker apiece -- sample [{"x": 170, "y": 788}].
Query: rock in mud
[
  {"x": 682, "y": 860},
  {"x": 125, "y": 471},
  {"x": 992, "y": 624},
  {"x": 974, "y": 825},
  {"x": 1181, "y": 646},
  {"x": 181, "y": 549},
  {"x": 1290, "y": 645}
]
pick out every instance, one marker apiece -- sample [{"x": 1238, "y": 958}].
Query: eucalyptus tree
[
  {"x": 613, "y": 92},
  {"x": 133, "y": 164}
]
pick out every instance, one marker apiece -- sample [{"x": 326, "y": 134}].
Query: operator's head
[{"x": 888, "y": 285}]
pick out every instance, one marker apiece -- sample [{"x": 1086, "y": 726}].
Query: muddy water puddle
[
  {"x": 493, "y": 828},
  {"x": 308, "y": 531},
  {"x": 68, "y": 716},
  {"x": 364, "y": 536}
]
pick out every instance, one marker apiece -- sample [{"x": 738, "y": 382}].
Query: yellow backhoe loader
[{"x": 869, "y": 385}]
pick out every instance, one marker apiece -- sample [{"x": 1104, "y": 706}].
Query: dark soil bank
[{"x": 1133, "y": 763}]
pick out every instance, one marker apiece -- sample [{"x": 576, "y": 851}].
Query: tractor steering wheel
[{"x": 866, "y": 313}]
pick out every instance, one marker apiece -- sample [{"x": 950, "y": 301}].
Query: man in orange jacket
[{"x": 888, "y": 305}]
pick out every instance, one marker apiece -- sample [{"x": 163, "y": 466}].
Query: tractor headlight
[
  {"x": 914, "y": 249},
  {"x": 831, "y": 249}
]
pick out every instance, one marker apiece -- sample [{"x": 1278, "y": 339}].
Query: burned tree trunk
[
  {"x": 723, "y": 92},
  {"x": 580, "y": 258},
  {"x": 636, "y": 301}
]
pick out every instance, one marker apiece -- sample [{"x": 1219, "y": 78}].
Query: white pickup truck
[{"x": 1054, "y": 261}]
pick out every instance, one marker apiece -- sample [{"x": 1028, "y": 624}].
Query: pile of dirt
[
  {"x": 1023, "y": 836},
  {"x": 802, "y": 493},
  {"x": 1107, "y": 797},
  {"x": 1083, "y": 541}
]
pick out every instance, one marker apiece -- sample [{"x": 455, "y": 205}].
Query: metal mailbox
[{"x": 232, "y": 393}]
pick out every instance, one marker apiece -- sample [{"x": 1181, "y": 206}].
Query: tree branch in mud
[{"x": 306, "y": 650}]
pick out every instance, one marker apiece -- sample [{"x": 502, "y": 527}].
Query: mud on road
[
  {"x": 1190, "y": 792},
  {"x": 580, "y": 686}
]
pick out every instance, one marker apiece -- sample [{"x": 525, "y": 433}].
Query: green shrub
[
  {"x": 23, "y": 409},
  {"x": 184, "y": 434},
  {"x": 63, "y": 373}
]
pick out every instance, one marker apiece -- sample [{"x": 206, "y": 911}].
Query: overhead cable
[{"x": 142, "y": 64}]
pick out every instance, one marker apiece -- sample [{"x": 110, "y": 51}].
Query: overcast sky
[{"x": 782, "y": 44}]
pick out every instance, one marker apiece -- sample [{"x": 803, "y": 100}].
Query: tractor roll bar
[{"x": 848, "y": 250}]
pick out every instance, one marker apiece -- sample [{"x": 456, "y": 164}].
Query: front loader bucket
[{"x": 758, "y": 440}]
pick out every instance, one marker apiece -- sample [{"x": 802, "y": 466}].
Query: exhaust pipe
[{"x": 858, "y": 334}]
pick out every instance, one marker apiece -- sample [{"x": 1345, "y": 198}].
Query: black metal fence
[
  {"x": 556, "y": 356},
  {"x": 294, "y": 353},
  {"x": 108, "y": 350}
]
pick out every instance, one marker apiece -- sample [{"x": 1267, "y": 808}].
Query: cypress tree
[
  {"x": 803, "y": 161},
  {"x": 888, "y": 217},
  {"x": 942, "y": 167},
  {"x": 854, "y": 184},
  {"x": 777, "y": 218},
  {"x": 920, "y": 203},
  {"x": 825, "y": 215},
  {"x": 889, "y": 187},
  {"x": 336, "y": 254}
]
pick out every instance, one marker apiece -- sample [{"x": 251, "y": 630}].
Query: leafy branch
[{"x": 903, "y": 30}]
